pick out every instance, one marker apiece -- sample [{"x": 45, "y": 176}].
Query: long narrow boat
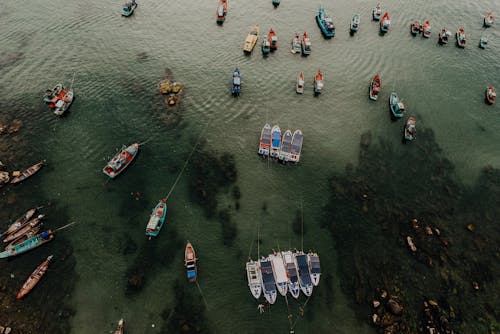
[
  {"x": 265, "y": 140},
  {"x": 121, "y": 160},
  {"x": 318, "y": 83},
  {"x": 491, "y": 94},
  {"x": 28, "y": 172},
  {"x": 304, "y": 275},
  {"x": 385, "y": 23},
  {"x": 410, "y": 129},
  {"x": 291, "y": 272},
  {"x": 325, "y": 23},
  {"x": 34, "y": 278},
  {"x": 305, "y": 44},
  {"x": 426, "y": 29},
  {"x": 20, "y": 222},
  {"x": 461, "y": 37},
  {"x": 415, "y": 28},
  {"x": 266, "y": 45},
  {"x": 23, "y": 237},
  {"x": 275, "y": 141},
  {"x": 128, "y": 8},
  {"x": 286, "y": 146},
  {"x": 254, "y": 278},
  {"x": 268, "y": 282},
  {"x": 279, "y": 273},
  {"x": 444, "y": 36},
  {"x": 62, "y": 105},
  {"x": 190, "y": 262},
  {"x": 157, "y": 219},
  {"x": 314, "y": 267},
  {"x": 375, "y": 87},
  {"x": 221, "y": 11},
  {"x": 251, "y": 40},
  {"x": 23, "y": 229},
  {"x": 299, "y": 87},
  {"x": 397, "y": 107},
  {"x": 376, "y": 12},
  {"x": 295, "y": 44},
  {"x": 355, "y": 22},
  {"x": 297, "y": 141},
  {"x": 273, "y": 39},
  {"x": 236, "y": 82},
  {"x": 489, "y": 19},
  {"x": 29, "y": 244},
  {"x": 119, "y": 328}
]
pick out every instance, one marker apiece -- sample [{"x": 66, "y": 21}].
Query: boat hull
[
  {"x": 28, "y": 245},
  {"x": 327, "y": 34},
  {"x": 157, "y": 219},
  {"x": 34, "y": 278},
  {"x": 130, "y": 152}
]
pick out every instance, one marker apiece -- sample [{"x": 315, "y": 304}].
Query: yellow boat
[{"x": 251, "y": 39}]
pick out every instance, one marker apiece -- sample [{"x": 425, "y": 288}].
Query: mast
[{"x": 302, "y": 226}]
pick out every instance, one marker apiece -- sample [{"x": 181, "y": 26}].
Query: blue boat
[
  {"x": 305, "y": 282},
  {"x": 397, "y": 107},
  {"x": 157, "y": 219},
  {"x": 236, "y": 87},
  {"x": 128, "y": 8},
  {"x": 325, "y": 23},
  {"x": 268, "y": 282},
  {"x": 190, "y": 262},
  {"x": 28, "y": 244},
  {"x": 275, "y": 142}
]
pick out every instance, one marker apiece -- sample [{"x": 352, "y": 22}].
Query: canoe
[
  {"x": 444, "y": 36},
  {"x": 355, "y": 22},
  {"x": 461, "y": 37},
  {"x": 483, "y": 42},
  {"x": 297, "y": 140},
  {"x": 28, "y": 245},
  {"x": 397, "y": 107},
  {"x": 62, "y": 105},
  {"x": 376, "y": 12},
  {"x": 128, "y": 8},
  {"x": 410, "y": 129},
  {"x": 266, "y": 45},
  {"x": 20, "y": 238},
  {"x": 296, "y": 48},
  {"x": 426, "y": 29},
  {"x": 157, "y": 219},
  {"x": 415, "y": 28},
  {"x": 375, "y": 87},
  {"x": 273, "y": 39},
  {"x": 489, "y": 19},
  {"x": 121, "y": 160},
  {"x": 119, "y": 328},
  {"x": 20, "y": 222},
  {"x": 318, "y": 83},
  {"x": 385, "y": 22},
  {"x": 23, "y": 229},
  {"x": 190, "y": 262},
  {"x": 34, "y": 278},
  {"x": 305, "y": 44},
  {"x": 53, "y": 92},
  {"x": 268, "y": 281},
  {"x": 291, "y": 272},
  {"x": 491, "y": 95},
  {"x": 221, "y": 11},
  {"x": 251, "y": 40},
  {"x": 236, "y": 82},
  {"x": 314, "y": 267},
  {"x": 325, "y": 23},
  {"x": 299, "y": 87},
  {"x": 254, "y": 278},
  {"x": 286, "y": 146},
  {"x": 275, "y": 142},
  {"x": 265, "y": 140},
  {"x": 28, "y": 172}
]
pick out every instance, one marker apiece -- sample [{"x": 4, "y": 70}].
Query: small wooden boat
[
  {"x": 491, "y": 95},
  {"x": 318, "y": 83},
  {"x": 325, "y": 23},
  {"x": 276, "y": 3},
  {"x": 23, "y": 237},
  {"x": 221, "y": 11},
  {"x": 268, "y": 281},
  {"x": 266, "y": 46},
  {"x": 21, "y": 221},
  {"x": 426, "y": 29},
  {"x": 299, "y": 87},
  {"x": 305, "y": 44},
  {"x": 28, "y": 172},
  {"x": 461, "y": 37},
  {"x": 489, "y": 20},
  {"x": 444, "y": 36},
  {"x": 305, "y": 282},
  {"x": 397, "y": 107},
  {"x": 286, "y": 146},
  {"x": 265, "y": 140},
  {"x": 4, "y": 178},
  {"x": 483, "y": 42},
  {"x": 119, "y": 328},
  {"x": 279, "y": 273},
  {"x": 157, "y": 219},
  {"x": 23, "y": 229},
  {"x": 376, "y": 12},
  {"x": 236, "y": 82},
  {"x": 410, "y": 129},
  {"x": 415, "y": 28},
  {"x": 375, "y": 87},
  {"x": 62, "y": 105},
  {"x": 254, "y": 278},
  {"x": 275, "y": 142},
  {"x": 355, "y": 22},
  {"x": 52, "y": 93},
  {"x": 190, "y": 262},
  {"x": 314, "y": 267},
  {"x": 297, "y": 141},
  {"x": 251, "y": 40},
  {"x": 291, "y": 272},
  {"x": 273, "y": 40},
  {"x": 295, "y": 44},
  {"x": 121, "y": 160},
  {"x": 34, "y": 278},
  {"x": 385, "y": 23},
  {"x": 128, "y": 8},
  {"x": 28, "y": 245}
]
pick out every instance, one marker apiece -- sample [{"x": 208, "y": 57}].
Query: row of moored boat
[{"x": 286, "y": 147}]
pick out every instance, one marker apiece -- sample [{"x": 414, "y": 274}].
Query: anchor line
[{"x": 65, "y": 226}]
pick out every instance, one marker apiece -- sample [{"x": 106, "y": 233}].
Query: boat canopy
[
  {"x": 266, "y": 138},
  {"x": 315, "y": 265},
  {"x": 303, "y": 269},
  {"x": 267, "y": 276},
  {"x": 191, "y": 274},
  {"x": 237, "y": 80}
]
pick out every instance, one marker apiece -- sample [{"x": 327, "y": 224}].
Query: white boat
[
  {"x": 297, "y": 140},
  {"x": 279, "y": 273},
  {"x": 291, "y": 271},
  {"x": 286, "y": 146},
  {"x": 268, "y": 282},
  {"x": 304, "y": 274},
  {"x": 296, "y": 48},
  {"x": 314, "y": 267},
  {"x": 254, "y": 278},
  {"x": 265, "y": 140}
]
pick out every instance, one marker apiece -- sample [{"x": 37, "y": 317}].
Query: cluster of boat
[
  {"x": 270, "y": 42},
  {"x": 283, "y": 272},
  {"x": 286, "y": 148},
  {"x": 19, "y": 176},
  {"x": 59, "y": 98}
]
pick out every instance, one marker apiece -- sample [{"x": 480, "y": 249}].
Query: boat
[
  {"x": 276, "y": 3},
  {"x": 279, "y": 273},
  {"x": 28, "y": 172},
  {"x": 483, "y": 42},
  {"x": 305, "y": 44},
  {"x": 190, "y": 262},
  {"x": 251, "y": 40},
  {"x": 28, "y": 245},
  {"x": 295, "y": 44},
  {"x": 397, "y": 107},
  {"x": 296, "y": 150},
  {"x": 266, "y": 45},
  {"x": 410, "y": 129},
  {"x": 56, "y": 97},
  {"x": 121, "y": 160},
  {"x": 236, "y": 82},
  {"x": 415, "y": 28},
  {"x": 23, "y": 229},
  {"x": 426, "y": 29},
  {"x": 63, "y": 104},
  {"x": 21, "y": 221},
  {"x": 221, "y": 11},
  {"x": 119, "y": 328},
  {"x": 325, "y": 23},
  {"x": 265, "y": 140},
  {"x": 51, "y": 93},
  {"x": 34, "y": 278},
  {"x": 314, "y": 267},
  {"x": 444, "y": 36},
  {"x": 254, "y": 278},
  {"x": 461, "y": 37},
  {"x": 273, "y": 40},
  {"x": 375, "y": 87},
  {"x": 305, "y": 282},
  {"x": 157, "y": 219},
  {"x": 275, "y": 142},
  {"x": 291, "y": 272},
  {"x": 299, "y": 87},
  {"x": 318, "y": 83},
  {"x": 286, "y": 146},
  {"x": 385, "y": 23},
  {"x": 268, "y": 282},
  {"x": 23, "y": 237},
  {"x": 489, "y": 19},
  {"x": 4, "y": 178},
  {"x": 355, "y": 22},
  {"x": 376, "y": 12},
  {"x": 491, "y": 95},
  {"x": 128, "y": 8}
]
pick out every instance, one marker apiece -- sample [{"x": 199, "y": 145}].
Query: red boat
[
  {"x": 121, "y": 160},
  {"x": 221, "y": 11},
  {"x": 34, "y": 278},
  {"x": 375, "y": 87},
  {"x": 273, "y": 39},
  {"x": 426, "y": 29},
  {"x": 385, "y": 22},
  {"x": 53, "y": 101},
  {"x": 491, "y": 95}
]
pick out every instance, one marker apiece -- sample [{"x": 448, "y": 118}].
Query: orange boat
[
  {"x": 318, "y": 83},
  {"x": 491, "y": 95},
  {"x": 34, "y": 278},
  {"x": 273, "y": 39},
  {"x": 221, "y": 11},
  {"x": 426, "y": 29},
  {"x": 190, "y": 262}
]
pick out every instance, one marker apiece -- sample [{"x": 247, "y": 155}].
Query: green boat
[
  {"x": 157, "y": 219},
  {"x": 28, "y": 245},
  {"x": 397, "y": 107}
]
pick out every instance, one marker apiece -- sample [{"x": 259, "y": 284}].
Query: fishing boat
[
  {"x": 325, "y": 23},
  {"x": 314, "y": 267},
  {"x": 28, "y": 172},
  {"x": 128, "y": 8},
  {"x": 375, "y": 87},
  {"x": 461, "y": 37},
  {"x": 410, "y": 129},
  {"x": 51, "y": 93},
  {"x": 305, "y": 44},
  {"x": 265, "y": 140},
  {"x": 297, "y": 140},
  {"x": 305, "y": 282},
  {"x": 28, "y": 245},
  {"x": 121, "y": 160},
  {"x": 376, "y": 12},
  {"x": 275, "y": 141},
  {"x": 397, "y": 107},
  {"x": 254, "y": 278},
  {"x": 273, "y": 40},
  {"x": 291, "y": 272},
  {"x": 491, "y": 95},
  {"x": 444, "y": 36},
  {"x": 268, "y": 282},
  {"x": 23, "y": 229},
  {"x": 4, "y": 179},
  {"x": 415, "y": 28},
  {"x": 286, "y": 146},
  {"x": 266, "y": 45},
  {"x": 318, "y": 83},
  {"x": 489, "y": 19},
  {"x": 299, "y": 87},
  {"x": 483, "y": 42},
  {"x": 119, "y": 328},
  {"x": 34, "y": 278},
  {"x": 157, "y": 219},
  {"x": 221, "y": 11},
  {"x": 251, "y": 40},
  {"x": 355, "y": 22},
  {"x": 23, "y": 237},
  {"x": 62, "y": 105},
  {"x": 426, "y": 29},
  {"x": 20, "y": 222},
  {"x": 279, "y": 273},
  {"x": 295, "y": 44},
  {"x": 236, "y": 82},
  {"x": 190, "y": 262},
  {"x": 385, "y": 23},
  {"x": 276, "y": 3}
]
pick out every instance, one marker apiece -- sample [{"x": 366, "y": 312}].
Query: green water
[{"x": 118, "y": 62}]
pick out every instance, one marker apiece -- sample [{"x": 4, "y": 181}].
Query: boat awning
[
  {"x": 153, "y": 223},
  {"x": 191, "y": 274},
  {"x": 236, "y": 80}
]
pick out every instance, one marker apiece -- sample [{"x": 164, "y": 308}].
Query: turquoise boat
[
  {"x": 325, "y": 23},
  {"x": 28, "y": 245},
  {"x": 276, "y": 3},
  {"x": 157, "y": 219},
  {"x": 128, "y": 8},
  {"x": 397, "y": 107}
]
